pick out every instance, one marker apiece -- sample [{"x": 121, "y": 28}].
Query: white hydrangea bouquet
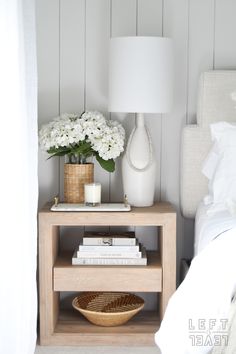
[{"x": 81, "y": 137}]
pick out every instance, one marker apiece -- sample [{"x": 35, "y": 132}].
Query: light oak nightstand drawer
[{"x": 69, "y": 277}]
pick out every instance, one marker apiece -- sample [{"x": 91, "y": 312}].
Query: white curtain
[{"x": 18, "y": 177}]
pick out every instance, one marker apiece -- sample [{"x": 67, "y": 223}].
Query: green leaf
[
  {"x": 62, "y": 151},
  {"x": 108, "y": 165},
  {"x": 57, "y": 154},
  {"x": 83, "y": 148},
  {"x": 54, "y": 150}
]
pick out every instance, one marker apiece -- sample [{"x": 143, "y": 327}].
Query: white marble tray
[{"x": 83, "y": 207}]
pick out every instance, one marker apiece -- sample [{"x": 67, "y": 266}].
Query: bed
[{"x": 199, "y": 316}]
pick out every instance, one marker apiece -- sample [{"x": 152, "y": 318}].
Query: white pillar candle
[{"x": 92, "y": 193}]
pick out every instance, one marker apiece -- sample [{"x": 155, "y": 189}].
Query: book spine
[
  {"x": 111, "y": 249},
  {"x": 105, "y": 241},
  {"x": 107, "y": 261},
  {"x": 109, "y": 255}
]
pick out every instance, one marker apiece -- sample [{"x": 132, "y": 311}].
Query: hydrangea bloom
[{"x": 85, "y": 135}]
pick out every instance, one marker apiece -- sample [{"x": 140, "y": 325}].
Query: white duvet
[{"x": 196, "y": 316}]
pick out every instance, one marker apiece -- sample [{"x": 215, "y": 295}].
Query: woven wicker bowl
[{"x": 108, "y": 308}]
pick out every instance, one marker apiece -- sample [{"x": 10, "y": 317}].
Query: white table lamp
[{"x": 140, "y": 81}]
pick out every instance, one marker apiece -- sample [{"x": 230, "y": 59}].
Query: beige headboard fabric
[{"x": 215, "y": 104}]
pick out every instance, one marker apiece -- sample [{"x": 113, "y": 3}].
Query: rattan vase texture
[{"x": 75, "y": 176}]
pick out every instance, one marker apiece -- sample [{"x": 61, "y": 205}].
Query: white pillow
[
  {"x": 224, "y": 134},
  {"x": 210, "y": 162},
  {"x": 222, "y": 186},
  {"x": 220, "y": 168}
]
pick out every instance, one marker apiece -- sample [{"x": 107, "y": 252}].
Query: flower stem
[{"x": 82, "y": 159}]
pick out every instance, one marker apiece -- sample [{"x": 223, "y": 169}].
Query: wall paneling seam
[
  {"x": 214, "y": 36},
  {"x": 188, "y": 67},
  {"x": 137, "y": 5},
  {"x": 59, "y": 89},
  {"x": 85, "y": 48},
  {"x": 182, "y": 237},
  {"x": 84, "y": 73},
  {"x": 109, "y": 181},
  {"x": 161, "y": 117}
]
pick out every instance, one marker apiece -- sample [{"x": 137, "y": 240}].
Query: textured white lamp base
[
  {"x": 139, "y": 167},
  {"x": 139, "y": 186}
]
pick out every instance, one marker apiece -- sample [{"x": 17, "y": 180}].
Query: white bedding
[
  {"x": 209, "y": 225},
  {"x": 205, "y": 294}
]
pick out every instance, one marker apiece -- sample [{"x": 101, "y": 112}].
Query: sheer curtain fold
[{"x": 18, "y": 177}]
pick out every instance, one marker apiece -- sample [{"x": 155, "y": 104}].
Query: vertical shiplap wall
[
  {"x": 73, "y": 38},
  {"x": 48, "y": 56}
]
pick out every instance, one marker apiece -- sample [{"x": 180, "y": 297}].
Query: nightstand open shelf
[
  {"x": 59, "y": 327},
  {"x": 72, "y": 328}
]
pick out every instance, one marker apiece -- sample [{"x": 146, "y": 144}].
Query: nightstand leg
[
  {"x": 168, "y": 260},
  {"x": 48, "y": 299}
]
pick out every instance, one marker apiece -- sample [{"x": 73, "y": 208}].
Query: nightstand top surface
[
  {"x": 158, "y": 214},
  {"x": 160, "y": 207}
]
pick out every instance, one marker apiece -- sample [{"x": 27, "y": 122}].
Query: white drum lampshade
[{"x": 140, "y": 81}]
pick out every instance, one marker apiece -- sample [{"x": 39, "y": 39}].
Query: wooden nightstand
[{"x": 56, "y": 274}]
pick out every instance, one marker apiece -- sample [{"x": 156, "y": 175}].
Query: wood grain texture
[
  {"x": 68, "y": 277},
  {"x": 156, "y": 215},
  {"x": 56, "y": 273},
  {"x": 49, "y": 300},
  {"x": 168, "y": 261},
  {"x": 73, "y": 329}
]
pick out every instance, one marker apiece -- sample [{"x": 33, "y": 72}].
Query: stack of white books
[{"x": 99, "y": 248}]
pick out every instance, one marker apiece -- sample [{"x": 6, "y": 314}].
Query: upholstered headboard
[{"x": 215, "y": 104}]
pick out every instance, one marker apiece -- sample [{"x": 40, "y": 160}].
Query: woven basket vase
[{"x": 75, "y": 176}]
